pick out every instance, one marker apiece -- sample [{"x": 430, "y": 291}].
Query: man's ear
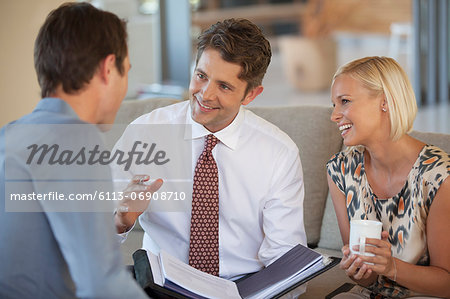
[
  {"x": 106, "y": 67},
  {"x": 252, "y": 94}
]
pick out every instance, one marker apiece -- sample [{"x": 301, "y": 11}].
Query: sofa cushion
[
  {"x": 437, "y": 139},
  {"x": 317, "y": 139},
  {"x": 330, "y": 236}
]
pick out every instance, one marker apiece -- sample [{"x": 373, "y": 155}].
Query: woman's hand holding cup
[
  {"x": 381, "y": 260},
  {"x": 353, "y": 265},
  {"x": 368, "y": 251}
]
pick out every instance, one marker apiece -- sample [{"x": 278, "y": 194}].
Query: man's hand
[{"x": 136, "y": 198}]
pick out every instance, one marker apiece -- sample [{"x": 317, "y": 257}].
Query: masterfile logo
[
  {"x": 140, "y": 153},
  {"x": 81, "y": 167}
]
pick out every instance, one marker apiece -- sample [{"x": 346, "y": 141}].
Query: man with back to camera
[
  {"x": 256, "y": 168},
  {"x": 81, "y": 60}
]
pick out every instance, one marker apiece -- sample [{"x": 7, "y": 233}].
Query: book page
[{"x": 196, "y": 281}]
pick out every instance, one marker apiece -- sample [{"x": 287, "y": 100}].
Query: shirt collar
[
  {"x": 55, "y": 105},
  {"x": 229, "y": 135}
]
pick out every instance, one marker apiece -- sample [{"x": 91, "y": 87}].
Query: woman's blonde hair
[{"x": 383, "y": 75}]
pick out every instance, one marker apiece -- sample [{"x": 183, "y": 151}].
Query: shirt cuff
[{"x": 123, "y": 236}]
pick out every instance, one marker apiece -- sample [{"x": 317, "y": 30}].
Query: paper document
[{"x": 196, "y": 281}]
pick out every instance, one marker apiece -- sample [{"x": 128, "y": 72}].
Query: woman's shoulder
[
  {"x": 431, "y": 170},
  {"x": 349, "y": 154},
  {"x": 348, "y": 161},
  {"x": 432, "y": 166},
  {"x": 436, "y": 150},
  {"x": 432, "y": 157}
]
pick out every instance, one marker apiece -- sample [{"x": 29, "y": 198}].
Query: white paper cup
[{"x": 360, "y": 230}]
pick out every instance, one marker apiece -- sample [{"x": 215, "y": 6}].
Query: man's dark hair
[
  {"x": 242, "y": 42},
  {"x": 72, "y": 42}
]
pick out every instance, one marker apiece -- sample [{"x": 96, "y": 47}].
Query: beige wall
[{"x": 19, "y": 24}]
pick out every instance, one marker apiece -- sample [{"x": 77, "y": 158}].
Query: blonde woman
[{"x": 387, "y": 175}]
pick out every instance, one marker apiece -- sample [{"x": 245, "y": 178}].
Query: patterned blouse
[{"x": 404, "y": 216}]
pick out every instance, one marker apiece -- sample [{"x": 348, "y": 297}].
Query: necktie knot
[{"x": 210, "y": 142}]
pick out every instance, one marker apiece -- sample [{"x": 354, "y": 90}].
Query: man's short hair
[
  {"x": 242, "y": 42},
  {"x": 383, "y": 75},
  {"x": 72, "y": 42}
]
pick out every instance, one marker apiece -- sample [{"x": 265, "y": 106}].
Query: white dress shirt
[{"x": 261, "y": 192}]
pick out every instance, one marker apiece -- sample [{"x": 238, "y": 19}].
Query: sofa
[{"x": 317, "y": 139}]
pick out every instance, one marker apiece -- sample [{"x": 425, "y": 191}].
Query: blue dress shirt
[{"x": 57, "y": 254}]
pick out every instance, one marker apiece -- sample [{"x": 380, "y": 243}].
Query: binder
[{"x": 246, "y": 285}]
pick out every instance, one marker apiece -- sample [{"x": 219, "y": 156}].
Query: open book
[{"x": 167, "y": 275}]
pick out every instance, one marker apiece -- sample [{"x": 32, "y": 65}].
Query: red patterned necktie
[{"x": 204, "y": 240}]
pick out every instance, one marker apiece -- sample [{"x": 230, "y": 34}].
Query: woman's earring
[{"x": 384, "y": 109}]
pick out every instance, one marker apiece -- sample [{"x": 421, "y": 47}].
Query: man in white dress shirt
[{"x": 261, "y": 187}]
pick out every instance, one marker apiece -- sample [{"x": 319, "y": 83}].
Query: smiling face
[
  {"x": 357, "y": 112},
  {"x": 216, "y": 92}
]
